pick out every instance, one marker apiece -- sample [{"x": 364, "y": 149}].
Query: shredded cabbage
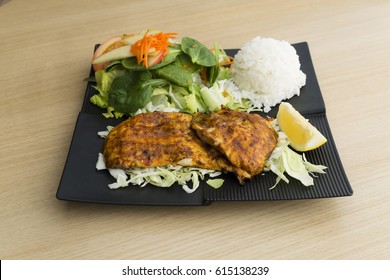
[
  {"x": 285, "y": 160},
  {"x": 215, "y": 183},
  {"x": 214, "y": 96},
  {"x": 163, "y": 177}
]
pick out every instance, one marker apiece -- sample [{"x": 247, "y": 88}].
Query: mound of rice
[{"x": 266, "y": 71}]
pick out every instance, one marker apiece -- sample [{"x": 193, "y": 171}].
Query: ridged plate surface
[{"x": 82, "y": 182}]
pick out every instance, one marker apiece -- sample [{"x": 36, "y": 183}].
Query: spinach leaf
[
  {"x": 113, "y": 65},
  {"x": 175, "y": 74},
  {"x": 132, "y": 91},
  {"x": 198, "y": 52},
  {"x": 173, "y": 52},
  {"x": 131, "y": 64},
  {"x": 213, "y": 72},
  {"x": 184, "y": 61}
]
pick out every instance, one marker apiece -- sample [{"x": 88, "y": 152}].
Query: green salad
[{"x": 189, "y": 79}]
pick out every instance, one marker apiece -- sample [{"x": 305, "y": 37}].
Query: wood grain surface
[{"x": 46, "y": 49}]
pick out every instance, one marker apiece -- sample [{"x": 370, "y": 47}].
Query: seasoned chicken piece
[
  {"x": 247, "y": 140},
  {"x": 158, "y": 139}
]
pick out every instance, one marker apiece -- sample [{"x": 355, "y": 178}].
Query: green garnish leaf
[
  {"x": 132, "y": 91},
  {"x": 198, "y": 52},
  {"x": 175, "y": 75}
]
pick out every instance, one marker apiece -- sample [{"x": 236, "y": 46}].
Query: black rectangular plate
[{"x": 82, "y": 182}]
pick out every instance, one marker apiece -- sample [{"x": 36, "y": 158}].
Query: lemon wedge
[{"x": 303, "y": 136}]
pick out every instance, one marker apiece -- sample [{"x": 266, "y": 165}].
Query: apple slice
[
  {"x": 108, "y": 45},
  {"x": 119, "y": 47},
  {"x": 156, "y": 57},
  {"x": 118, "y": 53},
  {"x": 124, "y": 52},
  {"x": 129, "y": 40},
  {"x": 111, "y": 43}
]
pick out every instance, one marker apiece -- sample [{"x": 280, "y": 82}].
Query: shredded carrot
[
  {"x": 229, "y": 62},
  {"x": 150, "y": 43},
  {"x": 226, "y": 62}
]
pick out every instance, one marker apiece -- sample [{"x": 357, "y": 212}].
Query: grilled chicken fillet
[
  {"x": 247, "y": 140},
  {"x": 159, "y": 139}
]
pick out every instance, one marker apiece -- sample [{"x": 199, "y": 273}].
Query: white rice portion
[{"x": 266, "y": 71}]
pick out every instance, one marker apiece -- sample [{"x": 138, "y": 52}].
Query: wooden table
[{"x": 46, "y": 49}]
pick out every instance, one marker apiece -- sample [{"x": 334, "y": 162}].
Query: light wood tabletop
[{"x": 46, "y": 49}]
